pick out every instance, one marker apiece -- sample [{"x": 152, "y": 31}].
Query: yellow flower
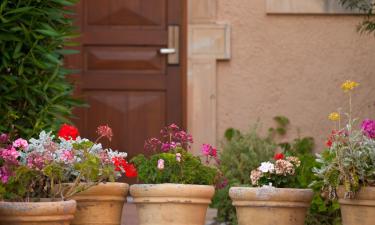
[
  {"x": 335, "y": 116},
  {"x": 349, "y": 85}
]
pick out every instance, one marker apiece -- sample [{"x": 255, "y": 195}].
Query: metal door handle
[
  {"x": 173, "y": 48},
  {"x": 166, "y": 51}
]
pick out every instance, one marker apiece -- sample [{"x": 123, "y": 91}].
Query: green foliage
[
  {"x": 241, "y": 153},
  {"x": 258, "y": 149},
  {"x": 366, "y": 7},
  {"x": 35, "y": 94},
  {"x": 189, "y": 171}
]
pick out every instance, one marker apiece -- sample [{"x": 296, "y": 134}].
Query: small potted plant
[
  {"x": 275, "y": 191},
  {"x": 31, "y": 185},
  {"x": 178, "y": 186},
  {"x": 101, "y": 199},
  {"x": 347, "y": 167}
]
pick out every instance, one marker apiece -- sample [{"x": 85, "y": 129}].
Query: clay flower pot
[
  {"x": 171, "y": 204},
  {"x": 361, "y": 209},
  {"x": 37, "y": 213},
  {"x": 101, "y": 204},
  {"x": 269, "y": 205}
]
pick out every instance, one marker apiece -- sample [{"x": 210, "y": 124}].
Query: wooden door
[{"x": 123, "y": 77}]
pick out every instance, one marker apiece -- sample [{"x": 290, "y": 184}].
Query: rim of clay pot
[
  {"x": 109, "y": 191},
  {"x": 365, "y": 196},
  {"x": 21, "y": 209},
  {"x": 177, "y": 193},
  {"x": 286, "y": 197}
]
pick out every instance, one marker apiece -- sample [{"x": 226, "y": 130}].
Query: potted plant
[
  {"x": 101, "y": 199},
  {"x": 275, "y": 191},
  {"x": 31, "y": 185},
  {"x": 347, "y": 167},
  {"x": 178, "y": 186}
]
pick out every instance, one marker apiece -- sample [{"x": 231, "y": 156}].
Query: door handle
[
  {"x": 167, "y": 51},
  {"x": 173, "y": 48}
]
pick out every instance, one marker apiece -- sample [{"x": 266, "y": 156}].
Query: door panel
[{"x": 126, "y": 81}]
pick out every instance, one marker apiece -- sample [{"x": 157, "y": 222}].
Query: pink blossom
[
  {"x": 208, "y": 150},
  {"x": 105, "y": 131},
  {"x": 9, "y": 155},
  {"x": 67, "y": 156},
  {"x": 20, "y": 143},
  {"x": 36, "y": 160},
  {"x": 4, "y": 138},
  {"x": 152, "y": 144},
  {"x": 368, "y": 128},
  {"x": 161, "y": 164},
  {"x": 5, "y": 174},
  {"x": 178, "y": 157}
]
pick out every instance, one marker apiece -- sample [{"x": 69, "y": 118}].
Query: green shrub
[
  {"x": 190, "y": 171},
  {"x": 242, "y": 153},
  {"x": 35, "y": 94},
  {"x": 171, "y": 162}
]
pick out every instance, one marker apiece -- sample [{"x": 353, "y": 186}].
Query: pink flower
[
  {"x": 208, "y": 150},
  {"x": 152, "y": 144},
  {"x": 368, "y": 128},
  {"x": 160, "y": 164},
  {"x": 105, "y": 131},
  {"x": 67, "y": 156},
  {"x": 9, "y": 155},
  {"x": 5, "y": 174},
  {"x": 20, "y": 143},
  {"x": 178, "y": 157},
  {"x": 4, "y": 138},
  {"x": 37, "y": 161}
]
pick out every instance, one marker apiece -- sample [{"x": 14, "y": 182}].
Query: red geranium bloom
[
  {"x": 279, "y": 156},
  {"x": 68, "y": 132},
  {"x": 130, "y": 171},
  {"x": 123, "y": 166}
]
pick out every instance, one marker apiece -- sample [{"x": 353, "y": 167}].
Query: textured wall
[{"x": 293, "y": 66}]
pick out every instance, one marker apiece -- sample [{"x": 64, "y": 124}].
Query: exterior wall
[{"x": 291, "y": 65}]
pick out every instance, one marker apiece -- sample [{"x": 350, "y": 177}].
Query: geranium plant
[
  {"x": 43, "y": 167},
  {"x": 171, "y": 161},
  {"x": 349, "y": 159},
  {"x": 279, "y": 172}
]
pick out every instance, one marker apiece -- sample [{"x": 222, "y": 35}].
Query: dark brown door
[{"x": 126, "y": 81}]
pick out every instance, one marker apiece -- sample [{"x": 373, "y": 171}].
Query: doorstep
[{"x": 130, "y": 214}]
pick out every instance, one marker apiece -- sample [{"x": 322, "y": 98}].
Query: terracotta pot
[
  {"x": 37, "y": 213},
  {"x": 171, "y": 204},
  {"x": 361, "y": 209},
  {"x": 101, "y": 204},
  {"x": 268, "y": 205}
]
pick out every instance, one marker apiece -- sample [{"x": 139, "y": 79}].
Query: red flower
[
  {"x": 123, "y": 166},
  {"x": 68, "y": 132},
  {"x": 279, "y": 156},
  {"x": 105, "y": 131},
  {"x": 130, "y": 171}
]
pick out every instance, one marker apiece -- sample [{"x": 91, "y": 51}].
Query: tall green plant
[
  {"x": 34, "y": 92},
  {"x": 241, "y": 153},
  {"x": 363, "y": 6}
]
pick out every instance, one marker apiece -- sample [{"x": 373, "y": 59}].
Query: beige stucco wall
[{"x": 291, "y": 65}]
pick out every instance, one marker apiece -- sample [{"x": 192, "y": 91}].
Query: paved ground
[{"x": 130, "y": 215}]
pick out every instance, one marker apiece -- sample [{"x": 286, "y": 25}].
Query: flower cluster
[
  {"x": 62, "y": 159},
  {"x": 171, "y": 162},
  {"x": 350, "y": 157},
  {"x": 349, "y": 85},
  {"x": 275, "y": 173},
  {"x": 172, "y": 137},
  {"x": 368, "y": 128}
]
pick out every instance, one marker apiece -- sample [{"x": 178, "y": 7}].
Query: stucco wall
[{"x": 291, "y": 65}]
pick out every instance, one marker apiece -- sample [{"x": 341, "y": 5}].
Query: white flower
[{"x": 267, "y": 167}]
